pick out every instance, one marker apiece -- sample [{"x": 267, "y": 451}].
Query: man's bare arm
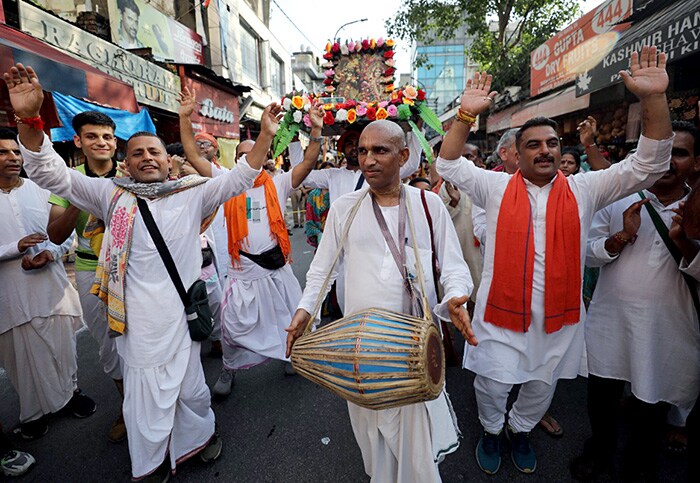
[
  {"x": 194, "y": 157},
  {"x": 476, "y": 99},
  {"x": 62, "y": 222},
  {"x": 302, "y": 170}
]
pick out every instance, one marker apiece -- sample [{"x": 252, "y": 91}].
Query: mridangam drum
[{"x": 375, "y": 358}]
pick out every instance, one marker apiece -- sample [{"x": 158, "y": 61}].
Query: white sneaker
[
  {"x": 224, "y": 383},
  {"x": 16, "y": 463}
]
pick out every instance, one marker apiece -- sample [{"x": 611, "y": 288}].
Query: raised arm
[
  {"x": 43, "y": 165},
  {"x": 587, "y": 132},
  {"x": 302, "y": 170},
  {"x": 476, "y": 99},
  {"x": 241, "y": 177},
  {"x": 193, "y": 155},
  {"x": 648, "y": 81}
]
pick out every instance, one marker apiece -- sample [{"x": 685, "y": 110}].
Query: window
[
  {"x": 250, "y": 54},
  {"x": 277, "y": 76}
]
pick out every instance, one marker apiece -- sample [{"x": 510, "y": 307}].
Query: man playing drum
[{"x": 399, "y": 444}]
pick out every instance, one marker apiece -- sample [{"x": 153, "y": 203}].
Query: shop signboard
[
  {"x": 153, "y": 85},
  {"x": 557, "y": 61},
  {"x": 137, "y": 24},
  {"x": 217, "y": 110},
  {"x": 675, "y": 30}
]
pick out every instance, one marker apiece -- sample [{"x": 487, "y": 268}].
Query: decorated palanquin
[{"x": 358, "y": 89}]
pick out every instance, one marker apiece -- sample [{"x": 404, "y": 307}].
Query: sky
[{"x": 313, "y": 32}]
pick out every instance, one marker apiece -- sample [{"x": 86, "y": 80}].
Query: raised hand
[
  {"x": 460, "y": 318},
  {"x": 26, "y": 94},
  {"x": 647, "y": 75},
  {"x": 270, "y": 120},
  {"x": 316, "y": 114},
  {"x": 676, "y": 232},
  {"x": 631, "y": 217},
  {"x": 30, "y": 241},
  {"x": 588, "y": 130},
  {"x": 477, "y": 96},
  {"x": 187, "y": 102}
]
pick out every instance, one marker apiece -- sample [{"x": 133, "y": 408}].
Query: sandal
[
  {"x": 676, "y": 440},
  {"x": 551, "y": 426}
]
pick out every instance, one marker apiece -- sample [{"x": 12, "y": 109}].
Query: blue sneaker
[
  {"x": 521, "y": 451},
  {"x": 488, "y": 453}
]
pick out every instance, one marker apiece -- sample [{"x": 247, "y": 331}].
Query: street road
[{"x": 274, "y": 427}]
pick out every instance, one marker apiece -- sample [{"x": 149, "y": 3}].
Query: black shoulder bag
[{"x": 199, "y": 317}]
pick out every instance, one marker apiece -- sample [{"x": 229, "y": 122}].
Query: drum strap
[{"x": 398, "y": 253}]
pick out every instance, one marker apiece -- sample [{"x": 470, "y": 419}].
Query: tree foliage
[{"x": 504, "y": 51}]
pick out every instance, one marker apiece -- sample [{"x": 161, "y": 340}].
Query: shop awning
[
  {"x": 501, "y": 120},
  {"x": 60, "y": 72},
  {"x": 127, "y": 123},
  {"x": 674, "y": 30},
  {"x": 554, "y": 105}
]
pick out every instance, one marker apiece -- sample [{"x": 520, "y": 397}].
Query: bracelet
[
  {"x": 625, "y": 241},
  {"x": 465, "y": 117},
  {"x": 33, "y": 122},
  {"x": 316, "y": 139},
  {"x": 593, "y": 145}
]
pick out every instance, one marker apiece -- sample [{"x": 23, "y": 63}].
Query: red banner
[
  {"x": 552, "y": 65},
  {"x": 216, "y": 112}
]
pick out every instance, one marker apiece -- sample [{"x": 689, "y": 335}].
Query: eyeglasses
[{"x": 204, "y": 144}]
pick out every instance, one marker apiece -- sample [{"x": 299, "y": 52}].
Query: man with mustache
[
  {"x": 167, "y": 406},
  {"x": 632, "y": 333},
  {"x": 529, "y": 304},
  {"x": 39, "y": 309}
]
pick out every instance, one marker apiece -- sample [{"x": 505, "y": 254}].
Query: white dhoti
[
  {"x": 215, "y": 296},
  {"x": 167, "y": 410},
  {"x": 404, "y": 445},
  {"x": 40, "y": 360},
  {"x": 255, "y": 314},
  {"x": 95, "y": 317}
]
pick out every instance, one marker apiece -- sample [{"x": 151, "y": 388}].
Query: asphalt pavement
[{"x": 279, "y": 428}]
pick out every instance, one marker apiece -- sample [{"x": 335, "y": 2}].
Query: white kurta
[
  {"x": 258, "y": 303},
  {"x": 641, "y": 325},
  {"x": 39, "y": 309},
  {"x": 340, "y": 181},
  {"x": 396, "y": 439},
  {"x": 157, "y": 338},
  {"x": 516, "y": 357},
  {"x": 462, "y": 219}
]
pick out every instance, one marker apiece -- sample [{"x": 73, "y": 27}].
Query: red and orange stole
[
  {"x": 510, "y": 296},
  {"x": 237, "y": 220}
]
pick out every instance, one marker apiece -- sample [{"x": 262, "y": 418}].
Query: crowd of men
[{"x": 507, "y": 256}]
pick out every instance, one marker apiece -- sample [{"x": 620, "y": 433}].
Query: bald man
[{"x": 402, "y": 444}]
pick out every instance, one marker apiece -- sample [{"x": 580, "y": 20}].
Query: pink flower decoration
[
  {"x": 307, "y": 120},
  {"x": 392, "y": 110},
  {"x": 383, "y": 103},
  {"x": 351, "y": 46},
  {"x": 119, "y": 226},
  {"x": 329, "y": 73},
  {"x": 380, "y": 41},
  {"x": 361, "y": 110}
]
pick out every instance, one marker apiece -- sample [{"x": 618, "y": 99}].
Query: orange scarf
[
  {"x": 237, "y": 220},
  {"x": 510, "y": 297}
]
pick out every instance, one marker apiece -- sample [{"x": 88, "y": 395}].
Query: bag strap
[
  {"x": 162, "y": 248},
  {"x": 436, "y": 275},
  {"x": 360, "y": 181},
  {"x": 662, "y": 230}
]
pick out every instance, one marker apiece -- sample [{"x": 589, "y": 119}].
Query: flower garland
[
  {"x": 382, "y": 47},
  {"x": 406, "y": 104}
]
